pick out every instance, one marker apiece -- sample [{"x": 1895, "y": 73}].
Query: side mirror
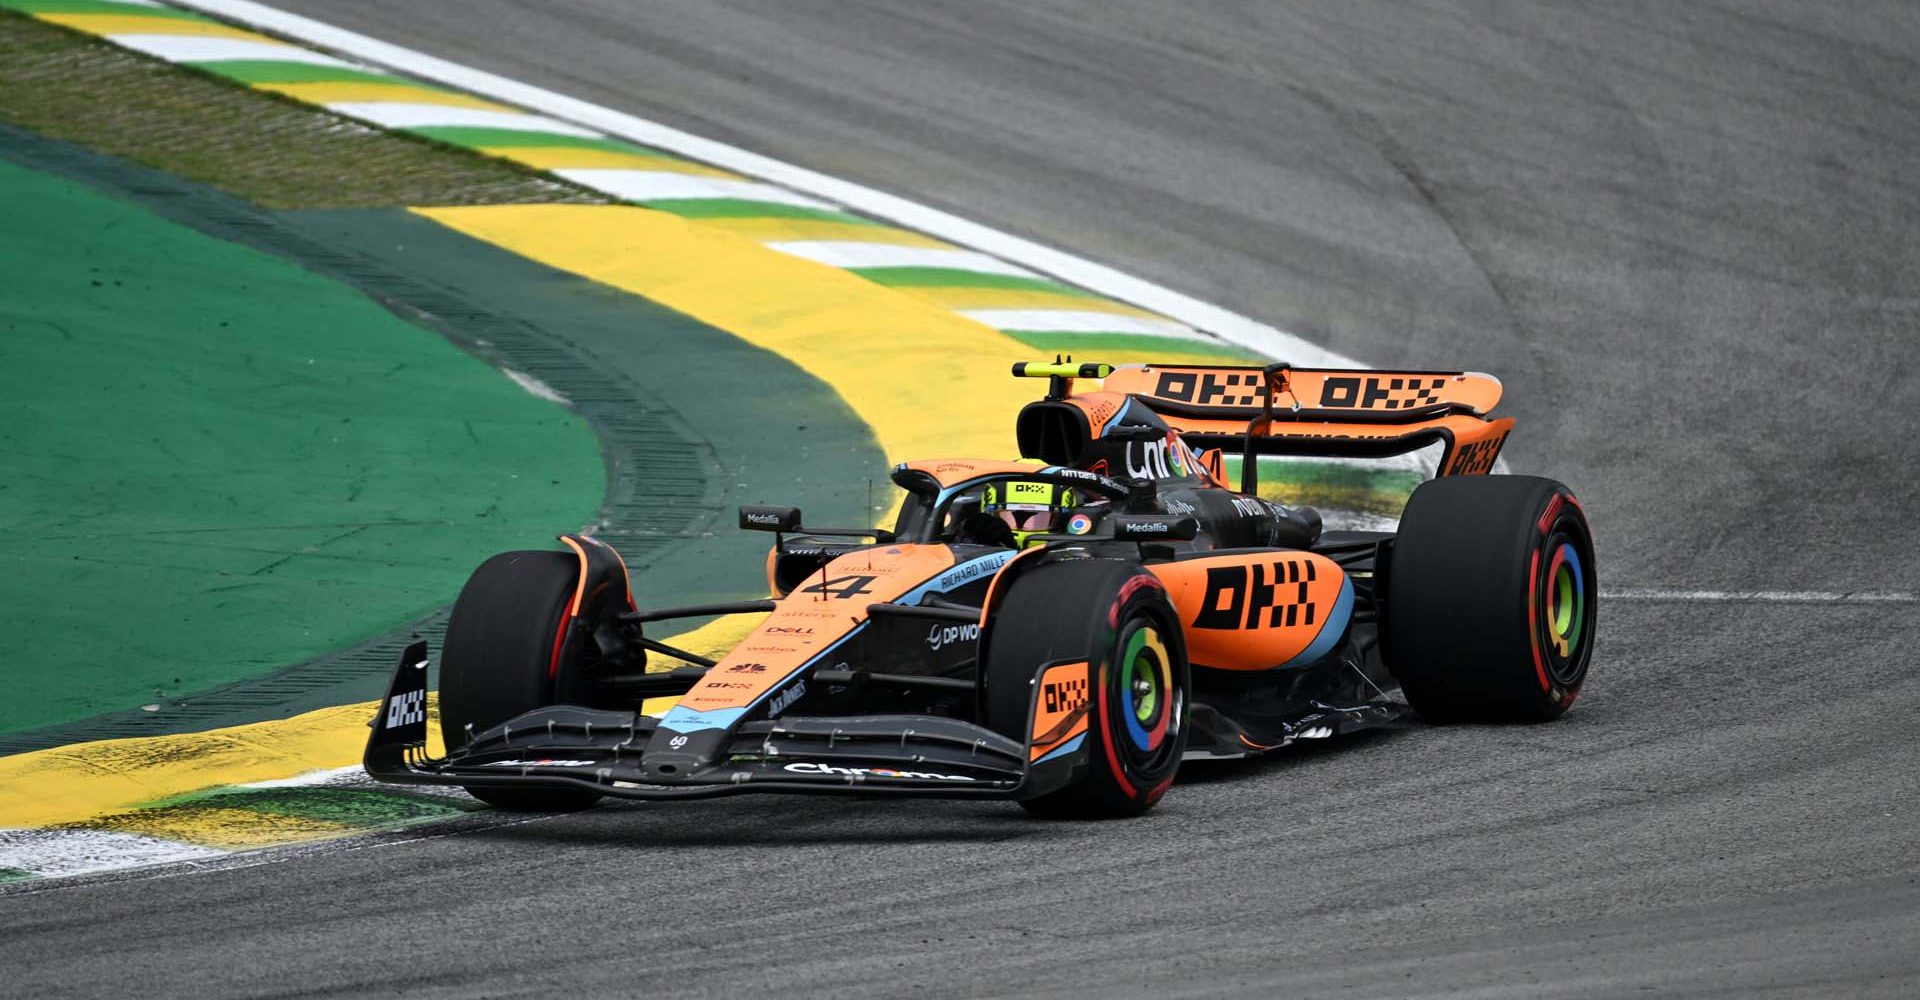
[
  {"x": 1153, "y": 527},
  {"x": 1138, "y": 432},
  {"x": 1215, "y": 462},
  {"x": 761, "y": 518}
]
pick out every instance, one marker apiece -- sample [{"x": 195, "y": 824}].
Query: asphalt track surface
[{"x": 1681, "y": 233}]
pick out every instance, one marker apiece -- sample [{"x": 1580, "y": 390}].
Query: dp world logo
[{"x": 946, "y": 635}]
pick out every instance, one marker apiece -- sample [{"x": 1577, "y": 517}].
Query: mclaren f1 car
[{"x": 1061, "y": 631}]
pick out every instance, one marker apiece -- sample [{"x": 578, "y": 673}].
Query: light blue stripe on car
[{"x": 1330, "y": 632}]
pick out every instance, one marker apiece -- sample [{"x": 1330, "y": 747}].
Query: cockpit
[
  {"x": 1011, "y": 511},
  {"x": 1000, "y": 503}
]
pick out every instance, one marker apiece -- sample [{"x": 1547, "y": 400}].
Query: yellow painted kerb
[
  {"x": 368, "y": 92},
  {"x": 78, "y": 782},
  {"x": 102, "y": 784},
  {"x": 211, "y": 825},
  {"x": 929, "y": 382},
  {"x": 141, "y": 24}
]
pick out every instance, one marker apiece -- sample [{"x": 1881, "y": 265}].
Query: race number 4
[{"x": 841, "y": 588}]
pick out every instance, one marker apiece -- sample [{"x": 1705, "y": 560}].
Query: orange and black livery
[{"x": 1062, "y": 630}]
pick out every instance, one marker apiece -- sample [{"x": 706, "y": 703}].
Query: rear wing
[{"x": 1351, "y": 412}]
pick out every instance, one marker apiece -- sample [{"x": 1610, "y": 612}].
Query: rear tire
[
  {"x": 1115, "y": 615},
  {"x": 1491, "y": 594},
  {"x": 498, "y": 660}
]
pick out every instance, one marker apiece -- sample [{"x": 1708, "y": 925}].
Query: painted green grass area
[
  {"x": 946, "y": 277},
  {"x": 1332, "y": 486},
  {"x": 363, "y": 808},
  {"x": 252, "y": 71},
  {"x": 271, "y": 151},
  {"x": 476, "y": 137},
  {"x": 14, "y": 875},
  {"x": 244, "y": 818},
  {"x": 98, "y": 7},
  {"x": 736, "y": 208},
  {"x": 218, "y": 463}
]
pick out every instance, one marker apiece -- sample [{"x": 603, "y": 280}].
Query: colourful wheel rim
[
  {"x": 1566, "y": 599},
  {"x": 1146, "y": 685}
]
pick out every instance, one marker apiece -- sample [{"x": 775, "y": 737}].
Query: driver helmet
[{"x": 1029, "y": 507}]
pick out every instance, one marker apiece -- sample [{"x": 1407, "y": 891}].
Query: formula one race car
[{"x": 1059, "y": 632}]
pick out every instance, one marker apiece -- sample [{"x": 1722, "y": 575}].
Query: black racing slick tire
[
  {"x": 1491, "y": 594},
  {"x": 498, "y": 660},
  {"x": 1115, "y": 616}
]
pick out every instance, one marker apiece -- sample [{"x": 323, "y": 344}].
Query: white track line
[
  {"x": 1076, "y": 321},
  {"x": 54, "y": 853},
  {"x": 1072, "y": 269},
  {"x": 402, "y": 114},
  {"x": 663, "y": 185},
  {"x": 200, "y": 48},
  {"x": 1765, "y": 596},
  {"x": 220, "y": 861},
  {"x": 537, "y": 387},
  {"x": 853, "y": 255}
]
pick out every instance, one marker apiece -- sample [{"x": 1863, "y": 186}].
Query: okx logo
[
  {"x": 1476, "y": 458},
  {"x": 1064, "y": 696},
  {"x": 1263, "y": 595},
  {"x": 406, "y": 708},
  {"x": 1400, "y": 392}
]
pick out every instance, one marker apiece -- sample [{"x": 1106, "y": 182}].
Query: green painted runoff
[{"x": 214, "y": 463}]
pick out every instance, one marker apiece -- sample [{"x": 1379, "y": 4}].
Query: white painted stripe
[
  {"x": 1078, "y": 321},
  {"x": 1765, "y": 596},
  {"x": 200, "y": 48},
  {"x": 355, "y": 776},
  {"x": 535, "y": 386},
  {"x": 51, "y": 853},
  {"x": 139, "y": 3},
  {"x": 370, "y": 841},
  {"x": 845, "y": 253},
  {"x": 1067, "y": 267},
  {"x": 661, "y": 185},
  {"x": 401, "y": 114}
]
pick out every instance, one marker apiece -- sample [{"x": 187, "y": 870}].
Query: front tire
[
  {"x": 1491, "y": 595},
  {"x": 1115, "y": 615},
  {"x": 499, "y": 660}
]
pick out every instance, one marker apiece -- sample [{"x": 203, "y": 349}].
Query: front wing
[{"x": 568, "y": 746}]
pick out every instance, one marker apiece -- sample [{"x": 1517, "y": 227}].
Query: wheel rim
[
  {"x": 1566, "y": 606},
  {"x": 1566, "y": 609},
  {"x": 1146, "y": 701}
]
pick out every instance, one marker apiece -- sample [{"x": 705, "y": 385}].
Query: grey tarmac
[{"x": 1684, "y": 236}]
